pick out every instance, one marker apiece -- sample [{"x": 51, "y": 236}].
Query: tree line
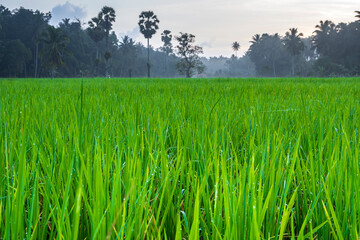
[
  {"x": 332, "y": 50},
  {"x": 31, "y": 47}
]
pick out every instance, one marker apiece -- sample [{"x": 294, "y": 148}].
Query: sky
[{"x": 215, "y": 23}]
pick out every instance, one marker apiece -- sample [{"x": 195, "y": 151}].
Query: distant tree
[
  {"x": 236, "y": 47},
  {"x": 17, "y": 56},
  {"x": 190, "y": 62},
  {"x": 128, "y": 52},
  {"x": 358, "y": 14},
  {"x": 294, "y": 45},
  {"x": 40, "y": 22},
  {"x": 25, "y": 25},
  {"x": 55, "y": 49},
  {"x": 107, "y": 18},
  {"x": 148, "y": 23},
  {"x": 322, "y": 37},
  {"x": 97, "y": 34},
  {"x": 269, "y": 55},
  {"x": 256, "y": 38},
  {"x": 166, "y": 38},
  {"x": 167, "y": 47}
]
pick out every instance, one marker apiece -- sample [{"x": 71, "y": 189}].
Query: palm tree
[
  {"x": 166, "y": 38},
  {"x": 167, "y": 48},
  {"x": 294, "y": 45},
  {"x": 41, "y": 23},
  {"x": 55, "y": 42},
  {"x": 107, "y": 18},
  {"x": 256, "y": 38},
  {"x": 236, "y": 47},
  {"x": 358, "y": 14},
  {"x": 97, "y": 34},
  {"x": 148, "y": 23},
  {"x": 128, "y": 50},
  {"x": 322, "y": 36}
]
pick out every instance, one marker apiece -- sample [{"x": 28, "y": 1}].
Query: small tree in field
[{"x": 190, "y": 62}]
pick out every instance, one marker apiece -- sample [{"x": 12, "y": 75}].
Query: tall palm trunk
[
  {"x": 293, "y": 65},
  {"x": 148, "y": 57}
]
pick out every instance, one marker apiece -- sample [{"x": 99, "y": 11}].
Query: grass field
[{"x": 180, "y": 159}]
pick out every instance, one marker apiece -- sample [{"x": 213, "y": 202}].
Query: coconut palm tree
[
  {"x": 358, "y": 14},
  {"x": 294, "y": 45},
  {"x": 236, "y": 47},
  {"x": 166, "y": 38},
  {"x": 322, "y": 36},
  {"x": 148, "y": 23},
  {"x": 167, "y": 47},
  {"x": 256, "y": 38},
  {"x": 97, "y": 34},
  {"x": 107, "y": 18},
  {"x": 55, "y": 42}
]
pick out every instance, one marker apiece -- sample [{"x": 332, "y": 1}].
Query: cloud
[
  {"x": 67, "y": 10},
  {"x": 206, "y": 45},
  {"x": 133, "y": 33}
]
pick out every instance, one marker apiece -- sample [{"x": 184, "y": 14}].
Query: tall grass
[{"x": 180, "y": 159}]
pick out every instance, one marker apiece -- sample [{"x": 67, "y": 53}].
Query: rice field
[{"x": 180, "y": 159}]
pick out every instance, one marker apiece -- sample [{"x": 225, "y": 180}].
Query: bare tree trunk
[
  {"x": 188, "y": 72},
  {"x": 293, "y": 65},
  {"x": 148, "y": 57}
]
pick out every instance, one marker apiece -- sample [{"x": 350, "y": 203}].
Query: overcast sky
[{"x": 215, "y": 23}]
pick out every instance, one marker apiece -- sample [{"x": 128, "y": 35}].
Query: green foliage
[
  {"x": 339, "y": 44},
  {"x": 55, "y": 47},
  {"x": 269, "y": 55},
  {"x": 326, "y": 67},
  {"x": 166, "y": 38},
  {"x": 190, "y": 62},
  {"x": 148, "y": 23},
  {"x": 294, "y": 45},
  {"x": 180, "y": 159},
  {"x": 17, "y": 56}
]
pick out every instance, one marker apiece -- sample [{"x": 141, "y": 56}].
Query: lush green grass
[{"x": 173, "y": 159}]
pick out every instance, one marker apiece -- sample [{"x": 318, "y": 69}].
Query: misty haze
[{"x": 192, "y": 119}]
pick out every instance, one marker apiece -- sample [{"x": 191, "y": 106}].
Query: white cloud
[
  {"x": 67, "y": 10},
  {"x": 133, "y": 33}
]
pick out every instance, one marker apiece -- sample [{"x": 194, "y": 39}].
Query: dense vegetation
[
  {"x": 93, "y": 49},
  {"x": 174, "y": 159}
]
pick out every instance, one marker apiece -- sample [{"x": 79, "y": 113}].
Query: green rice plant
[{"x": 180, "y": 158}]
